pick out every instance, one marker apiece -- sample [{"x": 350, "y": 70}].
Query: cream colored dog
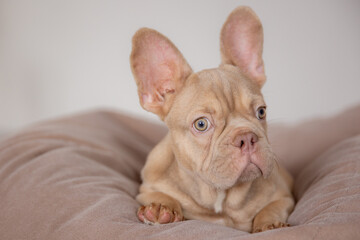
[{"x": 215, "y": 164}]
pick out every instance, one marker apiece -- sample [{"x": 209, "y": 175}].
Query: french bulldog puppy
[{"x": 215, "y": 163}]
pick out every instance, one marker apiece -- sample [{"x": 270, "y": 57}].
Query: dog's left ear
[
  {"x": 241, "y": 43},
  {"x": 159, "y": 69}
]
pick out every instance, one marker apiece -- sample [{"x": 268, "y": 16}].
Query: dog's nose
[{"x": 246, "y": 142}]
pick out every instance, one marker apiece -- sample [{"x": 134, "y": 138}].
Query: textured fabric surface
[{"x": 76, "y": 178}]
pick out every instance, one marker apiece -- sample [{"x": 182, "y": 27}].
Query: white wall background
[{"x": 60, "y": 57}]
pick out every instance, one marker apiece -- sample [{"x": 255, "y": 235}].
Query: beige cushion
[{"x": 76, "y": 178}]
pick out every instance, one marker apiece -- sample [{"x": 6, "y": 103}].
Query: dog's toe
[
  {"x": 156, "y": 213},
  {"x": 270, "y": 226},
  {"x": 165, "y": 215}
]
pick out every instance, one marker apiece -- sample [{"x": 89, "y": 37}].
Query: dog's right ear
[
  {"x": 159, "y": 69},
  {"x": 241, "y": 43}
]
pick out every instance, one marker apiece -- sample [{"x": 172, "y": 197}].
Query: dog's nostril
[
  {"x": 246, "y": 141},
  {"x": 254, "y": 139}
]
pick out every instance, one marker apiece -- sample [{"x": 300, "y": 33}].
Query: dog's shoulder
[{"x": 159, "y": 160}]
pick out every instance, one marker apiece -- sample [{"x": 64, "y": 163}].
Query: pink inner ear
[
  {"x": 156, "y": 70},
  {"x": 159, "y": 68},
  {"x": 242, "y": 43}
]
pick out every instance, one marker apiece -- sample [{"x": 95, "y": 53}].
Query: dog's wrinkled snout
[{"x": 246, "y": 142}]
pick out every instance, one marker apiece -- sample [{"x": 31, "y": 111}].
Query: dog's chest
[
  {"x": 218, "y": 205},
  {"x": 236, "y": 202},
  {"x": 219, "y": 202}
]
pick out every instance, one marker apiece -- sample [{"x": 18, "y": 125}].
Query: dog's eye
[
  {"x": 261, "y": 113},
  {"x": 201, "y": 124}
]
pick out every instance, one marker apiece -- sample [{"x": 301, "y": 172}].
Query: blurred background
[{"x": 62, "y": 57}]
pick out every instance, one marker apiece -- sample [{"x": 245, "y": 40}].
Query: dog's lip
[
  {"x": 262, "y": 164},
  {"x": 262, "y": 173},
  {"x": 250, "y": 161},
  {"x": 253, "y": 159}
]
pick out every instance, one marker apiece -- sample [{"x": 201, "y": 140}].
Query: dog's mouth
[
  {"x": 250, "y": 173},
  {"x": 231, "y": 165},
  {"x": 254, "y": 165}
]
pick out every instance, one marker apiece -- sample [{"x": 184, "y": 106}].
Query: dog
[{"x": 215, "y": 163}]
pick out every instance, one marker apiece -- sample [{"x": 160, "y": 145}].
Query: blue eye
[
  {"x": 201, "y": 124},
  {"x": 261, "y": 113}
]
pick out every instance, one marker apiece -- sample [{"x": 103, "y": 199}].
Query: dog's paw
[
  {"x": 156, "y": 213},
  {"x": 269, "y": 226}
]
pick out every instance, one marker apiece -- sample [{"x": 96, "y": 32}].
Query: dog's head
[{"x": 216, "y": 117}]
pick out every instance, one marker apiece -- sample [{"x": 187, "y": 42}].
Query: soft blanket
[{"x": 77, "y": 178}]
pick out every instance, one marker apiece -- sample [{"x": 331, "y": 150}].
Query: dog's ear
[
  {"x": 241, "y": 43},
  {"x": 159, "y": 69}
]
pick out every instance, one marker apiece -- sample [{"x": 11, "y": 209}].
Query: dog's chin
[{"x": 250, "y": 173}]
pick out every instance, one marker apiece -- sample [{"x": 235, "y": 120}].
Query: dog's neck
[{"x": 201, "y": 192}]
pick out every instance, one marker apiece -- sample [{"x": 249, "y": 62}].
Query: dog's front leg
[
  {"x": 158, "y": 208},
  {"x": 274, "y": 215}
]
